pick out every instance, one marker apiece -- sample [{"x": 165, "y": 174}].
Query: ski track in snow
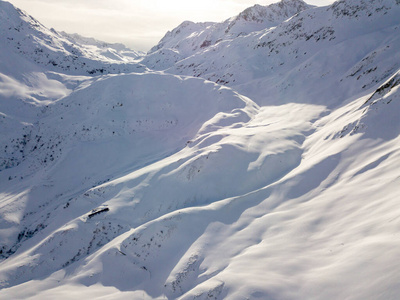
[{"x": 256, "y": 158}]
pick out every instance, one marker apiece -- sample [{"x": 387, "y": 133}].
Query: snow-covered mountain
[
  {"x": 263, "y": 165},
  {"x": 190, "y": 38},
  {"x": 95, "y": 48},
  {"x": 328, "y": 53},
  {"x": 58, "y": 52}
]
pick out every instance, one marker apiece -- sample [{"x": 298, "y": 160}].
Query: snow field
[{"x": 279, "y": 180}]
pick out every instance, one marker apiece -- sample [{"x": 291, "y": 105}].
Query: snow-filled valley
[{"x": 256, "y": 158}]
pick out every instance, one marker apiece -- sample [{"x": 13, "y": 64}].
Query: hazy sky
[{"x": 139, "y": 24}]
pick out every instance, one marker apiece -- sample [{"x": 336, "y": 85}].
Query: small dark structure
[{"x": 97, "y": 211}]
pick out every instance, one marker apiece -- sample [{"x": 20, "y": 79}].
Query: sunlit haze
[{"x": 139, "y": 24}]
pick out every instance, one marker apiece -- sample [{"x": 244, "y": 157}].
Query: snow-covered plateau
[{"x": 256, "y": 158}]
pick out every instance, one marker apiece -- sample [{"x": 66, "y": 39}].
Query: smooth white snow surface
[{"x": 263, "y": 166}]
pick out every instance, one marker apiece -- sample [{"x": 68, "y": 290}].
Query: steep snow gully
[{"x": 256, "y": 158}]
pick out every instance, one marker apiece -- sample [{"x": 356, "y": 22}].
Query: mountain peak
[
  {"x": 12, "y": 16},
  {"x": 189, "y": 37},
  {"x": 7, "y": 7},
  {"x": 276, "y": 12}
]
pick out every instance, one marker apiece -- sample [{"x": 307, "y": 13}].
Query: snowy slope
[
  {"x": 39, "y": 66},
  {"x": 122, "y": 119},
  {"x": 278, "y": 201},
  {"x": 161, "y": 185}
]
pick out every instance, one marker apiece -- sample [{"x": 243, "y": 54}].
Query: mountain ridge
[
  {"x": 28, "y": 37},
  {"x": 259, "y": 56},
  {"x": 189, "y": 38}
]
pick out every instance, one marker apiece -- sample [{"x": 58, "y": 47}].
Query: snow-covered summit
[
  {"x": 181, "y": 32},
  {"x": 261, "y": 17},
  {"x": 22, "y": 34},
  {"x": 189, "y": 38}
]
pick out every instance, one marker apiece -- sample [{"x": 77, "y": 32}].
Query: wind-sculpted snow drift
[{"x": 172, "y": 184}]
